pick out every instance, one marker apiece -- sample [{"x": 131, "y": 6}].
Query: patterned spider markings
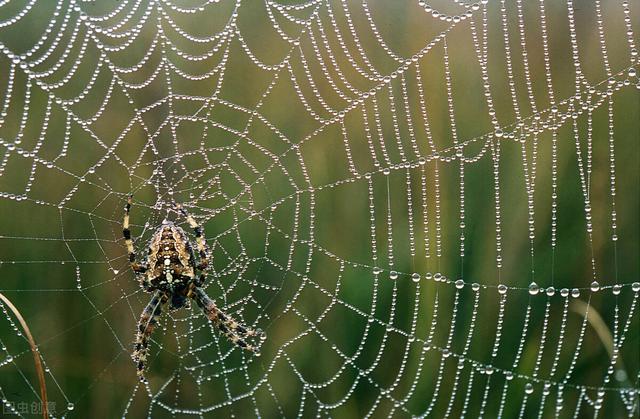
[{"x": 173, "y": 273}]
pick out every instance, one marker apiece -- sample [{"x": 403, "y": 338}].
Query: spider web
[{"x": 431, "y": 209}]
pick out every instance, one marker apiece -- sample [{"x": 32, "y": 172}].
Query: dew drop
[
  {"x": 595, "y": 287},
  {"x": 616, "y": 289},
  {"x": 534, "y": 289}
]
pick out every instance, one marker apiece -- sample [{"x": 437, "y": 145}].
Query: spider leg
[
  {"x": 203, "y": 249},
  {"x": 146, "y": 325},
  {"x": 234, "y": 331},
  {"x": 201, "y": 279},
  {"x": 137, "y": 267}
]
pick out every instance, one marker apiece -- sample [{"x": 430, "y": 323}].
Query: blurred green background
[{"x": 289, "y": 223}]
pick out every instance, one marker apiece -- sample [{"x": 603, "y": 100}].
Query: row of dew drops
[{"x": 533, "y": 288}]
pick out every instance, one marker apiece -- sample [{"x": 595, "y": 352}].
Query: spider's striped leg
[
  {"x": 147, "y": 323},
  {"x": 203, "y": 249},
  {"x": 201, "y": 279},
  {"x": 233, "y": 330},
  {"x": 137, "y": 267}
]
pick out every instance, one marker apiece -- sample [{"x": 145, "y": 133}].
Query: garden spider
[{"x": 170, "y": 269}]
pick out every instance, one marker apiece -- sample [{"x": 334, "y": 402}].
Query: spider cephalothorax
[{"x": 172, "y": 271}]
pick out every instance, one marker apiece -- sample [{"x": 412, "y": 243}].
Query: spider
[{"x": 173, "y": 273}]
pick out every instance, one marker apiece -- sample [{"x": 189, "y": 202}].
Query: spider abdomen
[{"x": 170, "y": 259}]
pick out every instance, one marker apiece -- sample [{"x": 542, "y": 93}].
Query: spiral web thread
[{"x": 353, "y": 212}]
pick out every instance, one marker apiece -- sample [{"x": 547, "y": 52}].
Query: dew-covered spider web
[{"x": 430, "y": 208}]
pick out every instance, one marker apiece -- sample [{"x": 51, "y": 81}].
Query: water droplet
[
  {"x": 575, "y": 293},
  {"x": 475, "y": 286},
  {"x": 528, "y": 388},
  {"x": 595, "y": 287},
  {"x": 459, "y": 284},
  {"x": 508, "y": 375},
  {"x": 502, "y": 289},
  {"x": 393, "y": 275},
  {"x": 415, "y": 277},
  {"x": 534, "y": 289},
  {"x": 635, "y": 287},
  {"x": 550, "y": 292},
  {"x": 616, "y": 289},
  {"x": 70, "y": 406},
  {"x": 564, "y": 292}
]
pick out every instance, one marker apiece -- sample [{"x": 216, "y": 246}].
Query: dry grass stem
[{"x": 36, "y": 356}]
